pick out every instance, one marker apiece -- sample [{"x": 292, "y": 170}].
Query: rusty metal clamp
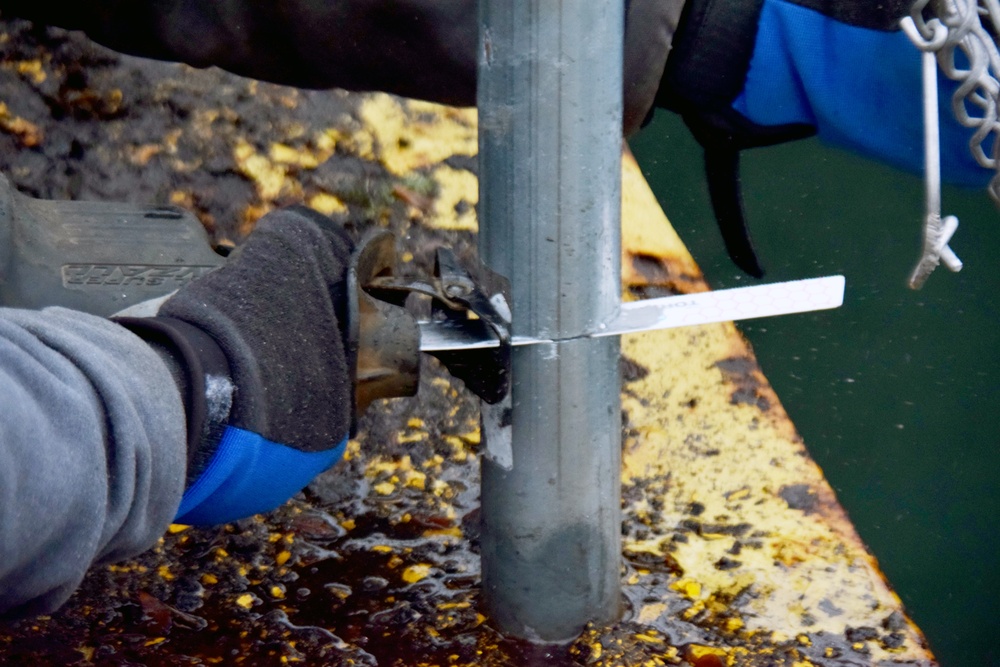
[
  {"x": 383, "y": 341},
  {"x": 486, "y": 372}
]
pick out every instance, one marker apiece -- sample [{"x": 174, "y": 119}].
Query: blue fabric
[
  {"x": 249, "y": 474},
  {"x": 860, "y": 88}
]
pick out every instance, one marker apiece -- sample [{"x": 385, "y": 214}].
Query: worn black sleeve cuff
[{"x": 206, "y": 384}]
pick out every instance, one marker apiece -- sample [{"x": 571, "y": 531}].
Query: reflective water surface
[{"x": 894, "y": 392}]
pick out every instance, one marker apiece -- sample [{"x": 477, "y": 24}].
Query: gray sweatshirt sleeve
[{"x": 92, "y": 452}]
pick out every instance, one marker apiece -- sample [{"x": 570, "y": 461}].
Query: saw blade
[{"x": 739, "y": 303}]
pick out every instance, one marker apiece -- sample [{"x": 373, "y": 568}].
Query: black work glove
[{"x": 259, "y": 344}]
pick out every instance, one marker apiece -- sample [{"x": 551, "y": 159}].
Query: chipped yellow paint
[
  {"x": 459, "y": 452},
  {"x": 698, "y": 652},
  {"x": 245, "y": 601},
  {"x": 177, "y": 528},
  {"x": 707, "y": 432},
  {"x": 353, "y": 450},
  {"x": 182, "y": 198},
  {"x": 440, "y": 488},
  {"x": 651, "y": 612},
  {"x": 733, "y": 624},
  {"x": 454, "y": 205},
  {"x": 688, "y": 588},
  {"x": 453, "y": 531},
  {"x": 404, "y": 438},
  {"x": 409, "y": 137},
  {"x": 444, "y": 606},
  {"x": 141, "y": 154},
  {"x": 380, "y": 465},
  {"x": 267, "y": 176},
  {"x": 415, "y": 479},
  {"x": 596, "y": 650},
  {"x": 386, "y": 488},
  {"x": 411, "y": 134},
  {"x": 433, "y": 462},
  {"x": 415, "y": 573},
  {"x": 32, "y": 69},
  {"x": 361, "y": 143},
  {"x": 645, "y": 230},
  {"x": 326, "y": 141},
  {"x": 26, "y": 132},
  {"x": 327, "y": 204},
  {"x": 284, "y": 154}
]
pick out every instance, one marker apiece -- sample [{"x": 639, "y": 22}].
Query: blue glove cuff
[{"x": 249, "y": 474}]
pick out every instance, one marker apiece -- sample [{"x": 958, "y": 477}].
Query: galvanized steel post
[{"x": 550, "y": 118}]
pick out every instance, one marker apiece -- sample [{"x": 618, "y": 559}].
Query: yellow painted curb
[{"x": 731, "y": 500}]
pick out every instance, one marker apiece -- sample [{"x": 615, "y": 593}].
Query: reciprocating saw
[{"x": 104, "y": 257}]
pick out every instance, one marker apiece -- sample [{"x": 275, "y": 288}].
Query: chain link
[
  {"x": 978, "y": 86},
  {"x": 956, "y": 27}
]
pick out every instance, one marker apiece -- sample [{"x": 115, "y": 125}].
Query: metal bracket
[
  {"x": 486, "y": 372},
  {"x": 383, "y": 341}
]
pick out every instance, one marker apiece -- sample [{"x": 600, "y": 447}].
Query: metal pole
[{"x": 550, "y": 115}]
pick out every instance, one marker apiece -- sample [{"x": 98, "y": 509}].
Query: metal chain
[{"x": 957, "y": 24}]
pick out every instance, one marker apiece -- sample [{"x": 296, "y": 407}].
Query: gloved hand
[
  {"x": 747, "y": 73},
  {"x": 257, "y": 348}
]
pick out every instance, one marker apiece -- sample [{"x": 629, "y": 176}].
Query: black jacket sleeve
[
  {"x": 425, "y": 49},
  {"x": 415, "y": 48},
  {"x": 93, "y": 452}
]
